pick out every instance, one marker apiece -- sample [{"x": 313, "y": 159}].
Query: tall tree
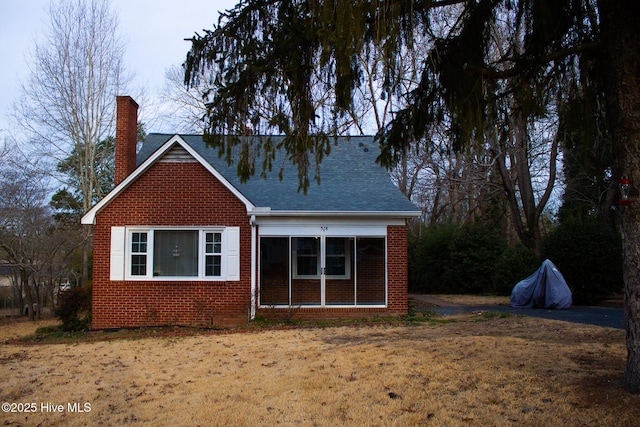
[
  {"x": 586, "y": 150},
  {"x": 68, "y": 100},
  {"x": 103, "y": 170},
  {"x": 184, "y": 106},
  {"x": 621, "y": 71},
  {"x": 276, "y": 47},
  {"x": 24, "y": 221}
]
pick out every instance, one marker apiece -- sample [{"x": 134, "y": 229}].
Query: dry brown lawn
[{"x": 479, "y": 371}]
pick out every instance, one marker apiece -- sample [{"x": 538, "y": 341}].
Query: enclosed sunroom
[{"x": 323, "y": 266}]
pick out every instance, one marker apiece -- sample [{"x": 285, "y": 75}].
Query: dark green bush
[
  {"x": 475, "y": 250},
  {"x": 588, "y": 252},
  {"x": 74, "y": 308},
  {"x": 429, "y": 258},
  {"x": 515, "y": 263},
  {"x": 472, "y": 259}
]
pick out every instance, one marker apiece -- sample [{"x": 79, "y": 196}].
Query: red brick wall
[
  {"x": 171, "y": 194},
  {"x": 397, "y": 270}
]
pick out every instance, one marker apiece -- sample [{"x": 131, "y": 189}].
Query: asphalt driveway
[{"x": 599, "y": 316}]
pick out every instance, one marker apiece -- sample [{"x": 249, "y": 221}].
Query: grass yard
[{"x": 477, "y": 371}]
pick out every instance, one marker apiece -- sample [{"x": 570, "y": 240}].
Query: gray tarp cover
[{"x": 546, "y": 288}]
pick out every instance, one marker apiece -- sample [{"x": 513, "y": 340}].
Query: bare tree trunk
[
  {"x": 86, "y": 248},
  {"x": 622, "y": 70},
  {"x": 50, "y": 286},
  {"x": 517, "y": 182},
  {"x": 24, "y": 279},
  {"x": 511, "y": 196},
  {"x": 37, "y": 307},
  {"x": 18, "y": 301}
]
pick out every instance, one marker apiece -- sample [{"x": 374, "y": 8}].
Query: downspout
[{"x": 252, "y": 313}]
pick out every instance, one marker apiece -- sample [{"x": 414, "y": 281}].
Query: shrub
[
  {"x": 471, "y": 259},
  {"x": 74, "y": 308},
  {"x": 475, "y": 249},
  {"x": 515, "y": 263},
  {"x": 474, "y": 259},
  {"x": 429, "y": 258},
  {"x": 588, "y": 252}
]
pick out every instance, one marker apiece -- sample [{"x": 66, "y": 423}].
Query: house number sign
[{"x": 324, "y": 228}]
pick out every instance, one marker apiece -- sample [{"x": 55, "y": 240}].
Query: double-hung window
[
  {"x": 213, "y": 254},
  {"x": 139, "y": 254},
  {"x": 176, "y": 253}
]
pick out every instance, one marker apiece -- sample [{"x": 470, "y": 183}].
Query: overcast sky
[{"x": 154, "y": 33}]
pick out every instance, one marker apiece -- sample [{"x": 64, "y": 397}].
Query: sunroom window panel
[
  {"x": 175, "y": 253},
  {"x": 306, "y": 286},
  {"x": 274, "y": 271},
  {"x": 340, "y": 288},
  {"x": 306, "y": 253},
  {"x": 331, "y": 271},
  {"x": 336, "y": 256},
  {"x": 371, "y": 271}
]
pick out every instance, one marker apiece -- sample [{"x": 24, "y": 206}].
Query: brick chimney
[{"x": 126, "y": 137}]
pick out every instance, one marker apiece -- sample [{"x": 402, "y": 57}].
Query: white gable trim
[{"x": 90, "y": 217}]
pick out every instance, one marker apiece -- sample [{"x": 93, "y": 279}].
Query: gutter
[
  {"x": 267, "y": 212},
  {"x": 254, "y": 261}
]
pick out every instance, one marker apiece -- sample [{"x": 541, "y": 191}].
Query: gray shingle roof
[{"x": 351, "y": 181}]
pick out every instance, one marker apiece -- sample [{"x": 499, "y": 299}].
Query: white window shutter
[
  {"x": 233, "y": 253},
  {"x": 116, "y": 265}
]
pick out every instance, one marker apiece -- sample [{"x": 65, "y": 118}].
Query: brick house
[{"x": 181, "y": 241}]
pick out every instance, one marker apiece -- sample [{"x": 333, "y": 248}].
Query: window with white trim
[
  {"x": 307, "y": 257},
  {"x": 139, "y": 254},
  {"x": 175, "y": 253},
  {"x": 213, "y": 254}
]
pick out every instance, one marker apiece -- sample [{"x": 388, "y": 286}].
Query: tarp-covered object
[{"x": 546, "y": 288}]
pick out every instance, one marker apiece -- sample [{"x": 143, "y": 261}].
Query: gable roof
[{"x": 351, "y": 182}]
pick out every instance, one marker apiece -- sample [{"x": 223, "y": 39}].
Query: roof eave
[{"x": 265, "y": 212}]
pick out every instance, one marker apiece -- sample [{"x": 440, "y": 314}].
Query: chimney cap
[{"x": 122, "y": 98}]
